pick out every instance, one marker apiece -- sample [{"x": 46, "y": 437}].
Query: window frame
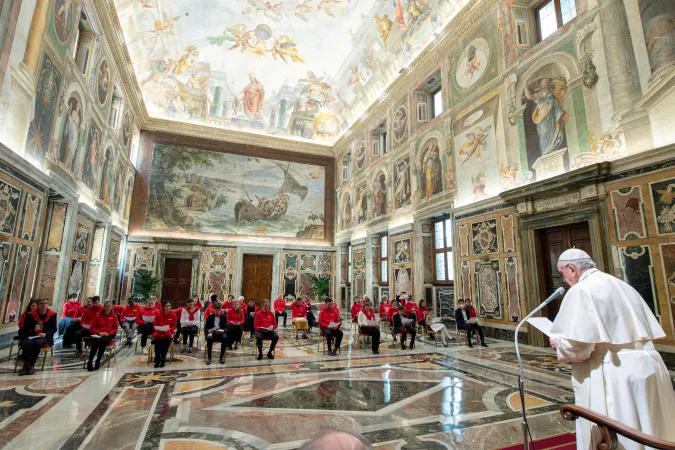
[
  {"x": 448, "y": 247},
  {"x": 432, "y": 102},
  {"x": 384, "y": 249},
  {"x": 558, "y": 16},
  {"x": 80, "y": 35}
]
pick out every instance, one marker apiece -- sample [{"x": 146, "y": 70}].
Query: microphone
[{"x": 521, "y": 378}]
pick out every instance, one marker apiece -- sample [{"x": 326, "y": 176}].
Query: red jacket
[
  {"x": 89, "y": 315},
  {"x": 422, "y": 313},
  {"x": 235, "y": 316},
  {"x": 70, "y": 308},
  {"x": 80, "y": 311},
  {"x": 199, "y": 305},
  {"x": 383, "y": 308},
  {"x": 158, "y": 306},
  {"x": 129, "y": 311},
  {"x": 472, "y": 312},
  {"x": 298, "y": 311},
  {"x": 176, "y": 312},
  {"x": 264, "y": 320},
  {"x": 280, "y": 305},
  {"x": 412, "y": 307},
  {"x": 370, "y": 314},
  {"x": 22, "y": 318},
  {"x": 356, "y": 307},
  {"x": 209, "y": 311},
  {"x": 326, "y": 317},
  {"x": 161, "y": 320},
  {"x": 105, "y": 323},
  {"x": 390, "y": 313},
  {"x": 145, "y": 311}
]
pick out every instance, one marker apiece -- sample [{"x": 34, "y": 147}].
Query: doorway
[
  {"x": 257, "y": 278},
  {"x": 177, "y": 281},
  {"x": 553, "y": 242}
]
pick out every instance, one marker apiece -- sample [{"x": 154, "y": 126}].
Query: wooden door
[
  {"x": 257, "y": 278},
  {"x": 554, "y": 241},
  {"x": 177, "y": 281}
]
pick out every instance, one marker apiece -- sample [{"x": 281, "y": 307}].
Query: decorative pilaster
[{"x": 38, "y": 28}]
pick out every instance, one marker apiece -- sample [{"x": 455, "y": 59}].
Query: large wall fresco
[
  {"x": 259, "y": 197},
  {"x": 304, "y": 69}
]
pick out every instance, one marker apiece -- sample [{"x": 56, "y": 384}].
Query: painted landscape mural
[{"x": 196, "y": 190}]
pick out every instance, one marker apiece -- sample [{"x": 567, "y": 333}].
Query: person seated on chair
[
  {"x": 382, "y": 310},
  {"x": 392, "y": 311},
  {"x": 470, "y": 308},
  {"x": 422, "y": 311},
  {"x": 366, "y": 320},
  {"x": 242, "y": 303},
  {"x": 86, "y": 320},
  {"x": 176, "y": 335},
  {"x": 190, "y": 319},
  {"x": 215, "y": 329},
  {"x": 209, "y": 309},
  {"x": 299, "y": 317},
  {"x": 311, "y": 319},
  {"x": 40, "y": 322},
  {"x": 465, "y": 322},
  {"x": 75, "y": 325},
  {"x": 103, "y": 330},
  {"x": 158, "y": 305},
  {"x": 227, "y": 304},
  {"x": 164, "y": 325},
  {"x": 437, "y": 327},
  {"x": 129, "y": 314},
  {"x": 235, "y": 325},
  {"x": 265, "y": 323},
  {"x": 145, "y": 321},
  {"x": 404, "y": 329},
  {"x": 250, "y": 316},
  {"x": 280, "y": 309},
  {"x": 198, "y": 304},
  {"x": 356, "y": 308},
  {"x": 411, "y": 311},
  {"x": 331, "y": 314},
  {"x": 32, "y": 306},
  {"x": 69, "y": 310}
]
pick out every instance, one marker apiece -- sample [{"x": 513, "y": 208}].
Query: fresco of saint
[
  {"x": 70, "y": 137},
  {"x": 432, "y": 181},
  {"x": 549, "y": 114},
  {"x": 252, "y": 97}
]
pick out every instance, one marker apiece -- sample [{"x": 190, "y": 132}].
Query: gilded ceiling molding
[
  {"x": 237, "y": 137},
  {"x": 112, "y": 30},
  {"x": 451, "y": 37}
]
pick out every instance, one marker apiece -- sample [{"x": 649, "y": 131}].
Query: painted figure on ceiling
[
  {"x": 549, "y": 114},
  {"x": 353, "y": 75},
  {"x": 253, "y": 96},
  {"x": 384, "y": 25},
  {"x": 186, "y": 61}
]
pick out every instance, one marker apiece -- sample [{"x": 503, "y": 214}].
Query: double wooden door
[
  {"x": 257, "y": 278},
  {"x": 177, "y": 281},
  {"x": 554, "y": 241}
]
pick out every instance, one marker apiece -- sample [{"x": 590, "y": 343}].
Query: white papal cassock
[{"x": 606, "y": 332}]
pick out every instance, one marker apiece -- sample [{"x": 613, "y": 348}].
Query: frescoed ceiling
[{"x": 303, "y": 69}]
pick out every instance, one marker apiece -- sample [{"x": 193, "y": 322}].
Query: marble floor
[{"x": 428, "y": 398}]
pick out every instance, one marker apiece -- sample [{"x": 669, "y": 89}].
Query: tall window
[
  {"x": 379, "y": 140},
  {"x": 84, "y": 48},
  {"x": 437, "y": 101},
  {"x": 553, "y": 14},
  {"x": 444, "y": 268},
  {"x": 384, "y": 260},
  {"x": 429, "y": 97}
]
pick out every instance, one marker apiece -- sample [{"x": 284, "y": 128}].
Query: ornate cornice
[
  {"x": 451, "y": 37},
  {"x": 237, "y": 137}
]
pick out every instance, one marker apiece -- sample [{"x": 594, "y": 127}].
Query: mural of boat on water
[{"x": 195, "y": 190}]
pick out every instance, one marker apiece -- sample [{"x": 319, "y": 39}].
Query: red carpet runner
[{"x": 565, "y": 441}]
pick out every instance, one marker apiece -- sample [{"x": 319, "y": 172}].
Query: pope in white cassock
[{"x": 605, "y": 329}]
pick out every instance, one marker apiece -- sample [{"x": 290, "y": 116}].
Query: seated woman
[
  {"x": 190, "y": 319},
  {"x": 384, "y": 307},
  {"x": 32, "y": 306},
  {"x": 70, "y": 308},
  {"x": 164, "y": 326},
  {"x": 38, "y": 330},
  {"x": 235, "y": 325},
  {"x": 366, "y": 319},
  {"x": 435, "y": 326},
  {"x": 215, "y": 330},
  {"x": 145, "y": 321},
  {"x": 103, "y": 330},
  {"x": 86, "y": 320},
  {"x": 422, "y": 311},
  {"x": 299, "y": 317},
  {"x": 404, "y": 329},
  {"x": 250, "y": 316}
]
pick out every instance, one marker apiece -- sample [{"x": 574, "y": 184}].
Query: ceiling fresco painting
[{"x": 300, "y": 69}]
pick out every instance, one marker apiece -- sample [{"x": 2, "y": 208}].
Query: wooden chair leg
[
  {"x": 11, "y": 348},
  {"x": 16, "y": 361},
  {"x": 44, "y": 360}
]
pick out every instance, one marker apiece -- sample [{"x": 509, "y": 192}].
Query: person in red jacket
[
  {"x": 158, "y": 305},
  {"x": 32, "y": 306},
  {"x": 128, "y": 319},
  {"x": 299, "y": 317},
  {"x": 145, "y": 320},
  {"x": 411, "y": 311},
  {"x": 189, "y": 322},
  {"x": 382, "y": 310},
  {"x": 103, "y": 330},
  {"x": 209, "y": 309},
  {"x": 38, "y": 331},
  {"x": 164, "y": 326},
  {"x": 422, "y": 311},
  {"x": 178, "y": 313},
  {"x": 280, "y": 309},
  {"x": 330, "y": 313},
  {"x": 393, "y": 309},
  {"x": 70, "y": 308},
  {"x": 265, "y": 323},
  {"x": 235, "y": 325},
  {"x": 366, "y": 320},
  {"x": 86, "y": 320},
  {"x": 198, "y": 304},
  {"x": 75, "y": 325},
  {"x": 227, "y": 305},
  {"x": 469, "y": 307},
  {"x": 356, "y": 308}
]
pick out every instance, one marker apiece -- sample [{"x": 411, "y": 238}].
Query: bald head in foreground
[
  {"x": 337, "y": 440},
  {"x": 605, "y": 329}
]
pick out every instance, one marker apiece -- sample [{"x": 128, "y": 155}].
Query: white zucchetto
[{"x": 573, "y": 254}]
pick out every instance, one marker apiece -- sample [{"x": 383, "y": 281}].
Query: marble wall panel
[
  {"x": 512, "y": 288},
  {"x": 488, "y": 288},
  {"x": 56, "y": 226},
  {"x": 76, "y": 277},
  {"x": 427, "y": 256},
  {"x": 463, "y": 233},
  {"x": 144, "y": 257},
  {"x": 5, "y": 262},
  {"x": 465, "y": 279},
  {"x": 10, "y": 199},
  {"x": 92, "y": 280},
  {"x": 97, "y": 246},
  {"x": 18, "y": 282},
  {"x": 50, "y": 266},
  {"x": 638, "y": 271},
  {"x": 82, "y": 238},
  {"x": 29, "y": 217},
  {"x": 508, "y": 233},
  {"x": 668, "y": 264},
  {"x": 484, "y": 237},
  {"x": 629, "y": 215},
  {"x": 663, "y": 198},
  {"x": 402, "y": 260}
]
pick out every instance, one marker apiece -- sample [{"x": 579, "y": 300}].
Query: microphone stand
[{"x": 521, "y": 377}]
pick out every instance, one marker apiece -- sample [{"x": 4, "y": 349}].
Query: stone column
[
  {"x": 624, "y": 82},
  {"x": 217, "y": 106},
  {"x": 657, "y": 19}
]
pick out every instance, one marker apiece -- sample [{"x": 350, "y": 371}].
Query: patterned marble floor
[{"x": 429, "y": 398}]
